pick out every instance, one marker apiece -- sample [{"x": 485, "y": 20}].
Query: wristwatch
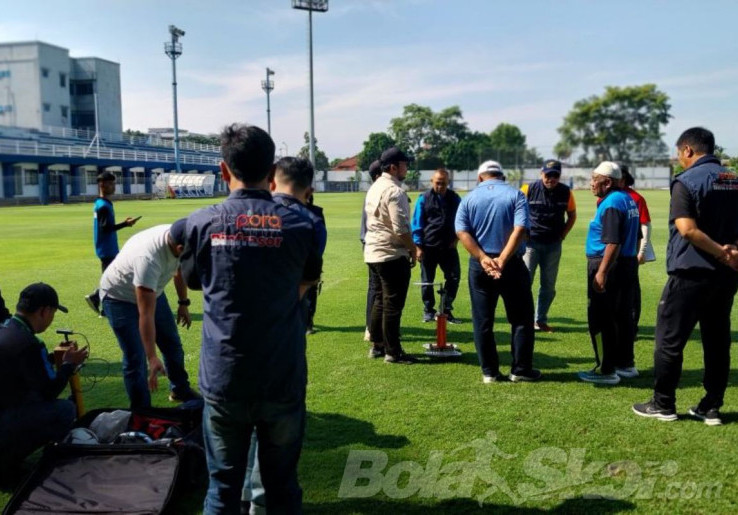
[{"x": 184, "y": 302}]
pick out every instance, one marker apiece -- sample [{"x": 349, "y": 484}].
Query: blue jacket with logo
[
  {"x": 249, "y": 255},
  {"x": 615, "y": 221}
]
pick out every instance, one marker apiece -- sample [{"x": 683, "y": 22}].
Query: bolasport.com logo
[{"x": 477, "y": 470}]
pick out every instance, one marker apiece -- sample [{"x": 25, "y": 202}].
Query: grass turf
[{"x": 451, "y": 443}]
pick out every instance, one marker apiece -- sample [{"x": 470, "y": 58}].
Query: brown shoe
[{"x": 543, "y": 326}]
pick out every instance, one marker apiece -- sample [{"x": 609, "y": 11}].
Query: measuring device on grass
[
  {"x": 441, "y": 348},
  {"x": 74, "y": 382}
]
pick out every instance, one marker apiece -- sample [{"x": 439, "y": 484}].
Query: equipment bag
[{"x": 122, "y": 478}]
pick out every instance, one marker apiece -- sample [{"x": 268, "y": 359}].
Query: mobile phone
[{"x": 137, "y": 218}]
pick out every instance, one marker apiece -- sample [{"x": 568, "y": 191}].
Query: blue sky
[{"x": 523, "y": 62}]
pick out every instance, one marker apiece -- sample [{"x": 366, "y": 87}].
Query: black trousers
[
  {"x": 514, "y": 288},
  {"x": 610, "y": 314},
  {"x": 697, "y": 296},
  {"x": 372, "y": 289},
  {"x": 394, "y": 279},
  {"x": 448, "y": 259}
]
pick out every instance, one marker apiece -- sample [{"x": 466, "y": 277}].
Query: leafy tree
[
  {"x": 376, "y": 143},
  {"x": 321, "y": 160},
  {"x": 471, "y": 149},
  {"x": 203, "y": 140},
  {"x": 508, "y": 144},
  {"x": 624, "y": 124},
  {"x": 426, "y": 134},
  {"x": 335, "y": 161}
]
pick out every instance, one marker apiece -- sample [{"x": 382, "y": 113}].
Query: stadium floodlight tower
[
  {"x": 321, "y": 6},
  {"x": 268, "y": 85},
  {"x": 173, "y": 49}
]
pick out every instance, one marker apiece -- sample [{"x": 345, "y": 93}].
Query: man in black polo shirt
[
  {"x": 701, "y": 261},
  {"x": 253, "y": 258},
  {"x": 548, "y": 202},
  {"x": 435, "y": 237}
]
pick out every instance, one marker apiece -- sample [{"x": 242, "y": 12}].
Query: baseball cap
[
  {"x": 394, "y": 155},
  {"x": 39, "y": 295},
  {"x": 492, "y": 167},
  {"x": 375, "y": 169},
  {"x": 551, "y": 166},
  {"x": 177, "y": 231},
  {"x": 607, "y": 169}
]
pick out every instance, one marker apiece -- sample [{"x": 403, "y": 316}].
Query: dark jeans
[
  {"x": 546, "y": 256},
  {"x": 373, "y": 287},
  {"x": 704, "y": 297},
  {"x": 394, "y": 279},
  {"x": 514, "y": 287},
  {"x": 123, "y": 318},
  {"x": 311, "y": 305},
  {"x": 26, "y": 428},
  {"x": 610, "y": 314},
  {"x": 636, "y": 303},
  {"x": 104, "y": 263},
  {"x": 448, "y": 259},
  {"x": 227, "y": 430}
]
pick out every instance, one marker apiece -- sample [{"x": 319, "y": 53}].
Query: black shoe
[
  {"x": 531, "y": 376},
  {"x": 651, "y": 410},
  {"x": 376, "y": 352},
  {"x": 429, "y": 316},
  {"x": 451, "y": 319},
  {"x": 93, "y": 300},
  {"x": 402, "y": 359},
  {"x": 183, "y": 396},
  {"x": 711, "y": 417}
]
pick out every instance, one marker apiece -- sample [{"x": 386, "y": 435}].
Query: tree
[
  {"x": 508, "y": 144},
  {"x": 426, "y": 134},
  {"x": 624, "y": 124},
  {"x": 321, "y": 160},
  {"x": 376, "y": 143}
]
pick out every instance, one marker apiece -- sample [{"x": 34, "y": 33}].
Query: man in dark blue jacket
[
  {"x": 30, "y": 413},
  {"x": 701, "y": 261},
  {"x": 253, "y": 258},
  {"x": 435, "y": 237}
]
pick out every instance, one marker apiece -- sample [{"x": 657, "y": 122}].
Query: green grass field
[{"x": 433, "y": 437}]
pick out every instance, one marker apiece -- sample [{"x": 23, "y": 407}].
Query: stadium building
[{"x": 61, "y": 124}]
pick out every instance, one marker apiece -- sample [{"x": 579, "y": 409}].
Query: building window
[
  {"x": 62, "y": 80},
  {"x": 64, "y": 111},
  {"x": 83, "y": 119},
  {"x": 91, "y": 177},
  {"x": 45, "y": 73},
  {"x": 30, "y": 177},
  {"x": 81, "y": 87},
  {"x": 47, "y": 107}
]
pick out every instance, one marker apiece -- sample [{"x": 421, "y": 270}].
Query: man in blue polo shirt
[
  {"x": 253, "y": 258},
  {"x": 611, "y": 276},
  {"x": 491, "y": 224}
]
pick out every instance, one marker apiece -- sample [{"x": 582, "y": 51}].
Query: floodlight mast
[
  {"x": 268, "y": 85},
  {"x": 310, "y": 6},
  {"x": 173, "y": 49}
]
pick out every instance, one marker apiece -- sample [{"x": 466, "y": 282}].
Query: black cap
[
  {"x": 551, "y": 166},
  {"x": 177, "y": 231},
  {"x": 36, "y": 296},
  {"x": 375, "y": 169},
  {"x": 394, "y": 155}
]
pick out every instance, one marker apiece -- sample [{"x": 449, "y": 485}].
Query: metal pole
[
  {"x": 176, "y": 122},
  {"x": 269, "y": 110},
  {"x": 97, "y": 124},
  {"x": 312, "y": 107}
]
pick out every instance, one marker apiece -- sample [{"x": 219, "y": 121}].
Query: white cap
[
  {"x": 608, "y": 169},
  {"x": 489, "y": 167}
]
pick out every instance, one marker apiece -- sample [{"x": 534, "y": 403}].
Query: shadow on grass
[
  {"x": 333, "y": 430},
  {"x": 578, "y": 505}
]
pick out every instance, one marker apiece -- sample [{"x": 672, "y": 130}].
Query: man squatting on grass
[
  {"x": 701, "y": 260},
  {"x": 390, "y": 252},
  {"x": 436, "y": 242},
  {"x": 105, "y": 230},
  {"x": 548, "y": 202},
  {"x": 132, "y": 291},
  {"x": 612, "y": 269},
  {"x": 254, "y": 259},
  {"x": 491, "y": 224}
]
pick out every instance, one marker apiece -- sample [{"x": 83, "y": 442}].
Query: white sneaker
[
  {"x": 367, "y": 336},
  {"x": 627, "y": 373}
]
